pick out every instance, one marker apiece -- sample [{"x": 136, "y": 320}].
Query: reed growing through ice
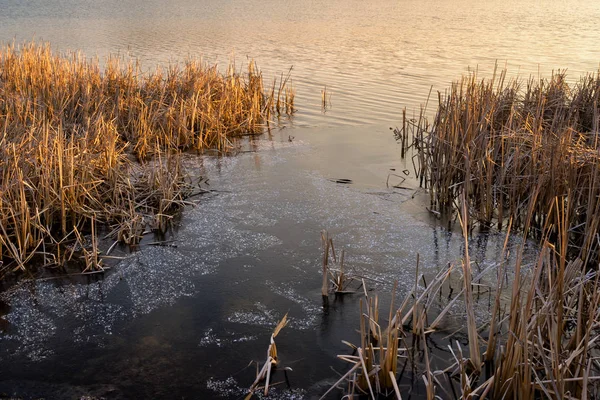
[{"x": 84, "y": 147}]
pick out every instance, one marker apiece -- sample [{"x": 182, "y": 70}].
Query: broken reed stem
[
  {"x": 69, "y": 129},
  {"x": 271, "y": 362}
]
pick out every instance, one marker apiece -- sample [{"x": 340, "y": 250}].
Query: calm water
[
  {"x": 184, "y": 321},
  {"x": 375, "y": 57}
]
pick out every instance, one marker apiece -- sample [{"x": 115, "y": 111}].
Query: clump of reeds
[
  {"x": 375, "y": 361},
  {"x": 544, "y": 345},
  {"x": 526, "y": 155},
  {"x": 506, "y": 137},
  {"x": 283, "y": 99},
  {"x": 523, "y": 155},
  {"x": 271, "y": 362},
  {"x": 69, "y": 129},
  {"x": 336, "y": 277}
]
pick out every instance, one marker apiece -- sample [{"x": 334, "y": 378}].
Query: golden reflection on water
[{"x": 375, "y": 57}]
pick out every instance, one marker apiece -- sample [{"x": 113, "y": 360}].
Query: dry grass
[
  {"x": 544, "y": 345},
  {"x": 504, "y": 138},
  {"x": 526, "y": 156},
  {"x": 84, "y": 148}
]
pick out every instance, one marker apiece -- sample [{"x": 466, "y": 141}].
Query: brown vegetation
[
  {"x": 506, "y": 141},
  {"x": 83, "y": 146},
  {"x": 540, "y": 339},
  {"x": 526, "y": 157}
]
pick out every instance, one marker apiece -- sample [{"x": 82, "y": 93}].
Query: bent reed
[{"x": 84, "y": 147}]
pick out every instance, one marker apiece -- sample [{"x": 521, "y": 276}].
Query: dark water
[{"x": 185, "y": 320}]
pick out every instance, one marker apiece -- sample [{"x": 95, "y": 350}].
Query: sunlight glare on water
[
  {"x": 374, "y": 57},
  {"x": 182, "y": 320}
]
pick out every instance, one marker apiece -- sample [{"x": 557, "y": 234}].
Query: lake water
[
  {"x": 184, "y": 321},
  {"x": 375, "y": 57}
]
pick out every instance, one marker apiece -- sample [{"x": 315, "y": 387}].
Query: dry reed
[
  {"x": 526, "y": 156},
  {"x": 504, "y": 138},
  {"x": 336, "y": 276},
  {"x": 545, "y": 345},
  {"x": 271, "y": 362},
  {"x": 71, "y": 133}
]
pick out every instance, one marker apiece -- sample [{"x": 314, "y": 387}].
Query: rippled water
[
  {"x": 375, "y": 57},
  {"x": 184, "y": 320}
]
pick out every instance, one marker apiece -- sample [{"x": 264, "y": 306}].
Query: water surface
[
  {"x": 375, "y": 57},
  {"x": 184, "y": 320}
]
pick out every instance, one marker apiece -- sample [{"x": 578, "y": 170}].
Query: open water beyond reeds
[{"x": 184, "y": 319}]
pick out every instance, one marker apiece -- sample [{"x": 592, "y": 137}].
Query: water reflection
[{"x": 374, "y": 57}]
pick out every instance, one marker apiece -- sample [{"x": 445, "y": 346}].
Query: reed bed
[
  {"x": 522, "y": 156},
  {"x": 506, "y": 139},
  {"x": 539, "y": 341},
  {"x": 85, "y": 149}
]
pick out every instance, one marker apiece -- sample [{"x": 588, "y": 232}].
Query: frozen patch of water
[
  {"x": 87, "y": 313},
  {"x": 259, "y": 316},
  {"x": 34, "y": 327},
  {"x": 158, "y": 278},
  {"x": 210, "y": 338},
  {"x": 229, "y": 388},
  {"x": 311, "y": 309},
  {"x": 215, "y": 234}
]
